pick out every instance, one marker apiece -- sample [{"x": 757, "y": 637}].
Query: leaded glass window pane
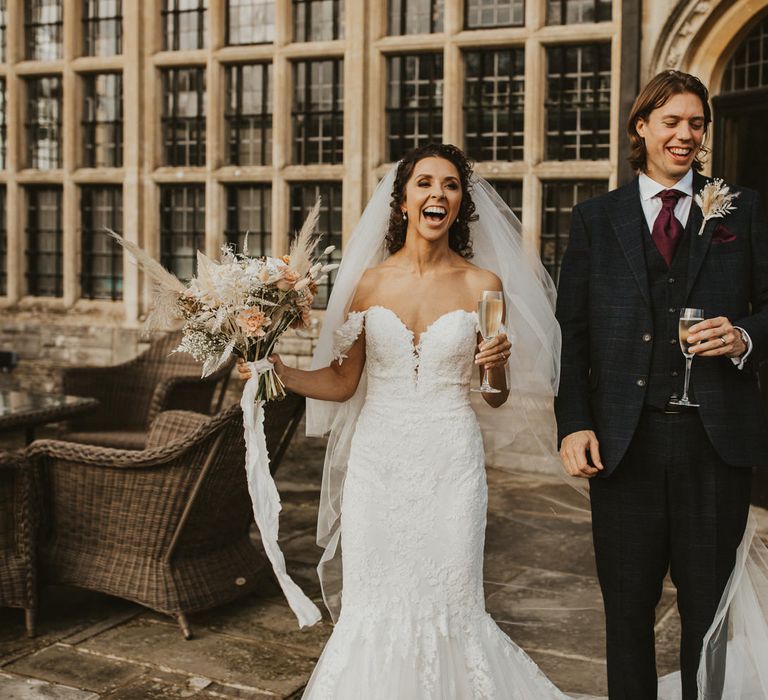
[
  {"x": 414, "y": 102},
  {"x": 3, "y": 125},
  {"x": 3, "y": 244},
  {"x": 101, "y": 275},
  {"x": 318, "y": 111},
  {"x": 184, "y": 24},
  {"x": 511, "y": 191},
  {"x": 249, "y": 212},
  {"x": 248, "y": 114},
  {"x": 303, "y": 197},
  {"x": 103, "y": 120},
  {"x": 578, "y": 11},
  {"x": 415, "y": 16},
  {"x": 578, "y": 102},
  {"x": 318, "y": 20},
  {"x": 102, "y": 27},
  {"x": 184, "y": 116},
  {"x": 494, "y": 100},
  {"x": 43, "y": 22},
  {"x": 3, "y": 30},
  {"x": 44, "y": 242},
  {"x": 559, "y": 198},
  {"x": 250, "y": 22},
  {"x": 748, "y": 69},
  {"x": 494, "y": 13},
  {"x": 44, "y": 122},
  {"x": 182, "y": 227}
]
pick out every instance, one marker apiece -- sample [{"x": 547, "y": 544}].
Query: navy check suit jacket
[{"x": 604, "y": 311}]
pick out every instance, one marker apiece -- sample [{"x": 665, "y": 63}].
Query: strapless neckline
[{"x": 416, "y": 343}]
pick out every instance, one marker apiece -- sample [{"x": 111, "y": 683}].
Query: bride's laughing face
[{"x": 432, "y": 198}]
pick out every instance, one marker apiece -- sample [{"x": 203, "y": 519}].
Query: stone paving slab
[
  {"x": 65, "y": 665},
  {"x": 14, "y": 688},
  {"x": 251, "y": 662}
]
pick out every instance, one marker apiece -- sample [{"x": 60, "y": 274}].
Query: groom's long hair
[{"x": 655, "y": 94}]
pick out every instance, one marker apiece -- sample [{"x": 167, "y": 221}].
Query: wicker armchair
[
  {"x": 133, "y": 393},
  {"x": 167, "y": 526},
  {"x": 17, "y": 527}
]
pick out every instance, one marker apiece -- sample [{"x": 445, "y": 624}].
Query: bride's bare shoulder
[
  {"x": 367, "y": 286},
  {"x": 481, "y": 279}
]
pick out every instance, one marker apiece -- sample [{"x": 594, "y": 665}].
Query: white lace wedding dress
[{"x": 413, "y": 624}]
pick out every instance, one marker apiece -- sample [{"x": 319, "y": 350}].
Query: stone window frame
[
  {"x": 507, "y": 143},
  {"x": 3, "y": 242},
  {"x": 599, "y": 9},
  {"x": 302, "y": 197},
  {"x": 556, "y": 236},
  {"x": 92, "y": 127},
  {"x": 93, "y": 21},
  {"x": 96, "y": 245},
  {"x": 306, "y": 27},
  {"x": 236, "y": 9},
  {"x": 317, "y": 113},
  {"x": 174, "y": 17},
  {"x": 238, "y": 120},
  {"x": 35, "y": 20},
  {"x": 35, "y": 254},
  {"x": 475, "y": 8},
  {"x": 190, "y": 207},
  {"x": 401, "y": 12},
  {"x": 260, "y": 235},
  {"x": 43, "y": 122}
]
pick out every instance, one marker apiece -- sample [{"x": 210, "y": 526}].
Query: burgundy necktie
[{"x": 667, "y": 230}]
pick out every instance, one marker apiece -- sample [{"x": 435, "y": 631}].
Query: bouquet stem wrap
[{"x": 264, "y": 495}]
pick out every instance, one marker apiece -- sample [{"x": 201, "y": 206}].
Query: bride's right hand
[{"x": 245, "y": 372}]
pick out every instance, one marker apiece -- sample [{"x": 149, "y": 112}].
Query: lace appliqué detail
[{"x": 347, "y": 334}]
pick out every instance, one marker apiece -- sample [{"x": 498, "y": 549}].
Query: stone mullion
[
  {"x": 215, "y": 209},
  {"x": 149, "y": 41},
  {"x": 133, "y": 105},
  {"x": 355, "y": 70},
  {"x": 70, "y": 142},
  {"x": 282, "y": 90},
  {"x": 14, "y": 194}
]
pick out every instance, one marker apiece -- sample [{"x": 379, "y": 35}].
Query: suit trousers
[{"x": 671, "y": 504}]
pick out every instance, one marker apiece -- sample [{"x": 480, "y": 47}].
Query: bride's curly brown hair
[{"x": 458, "y": 235}]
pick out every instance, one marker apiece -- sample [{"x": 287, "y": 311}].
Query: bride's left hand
[{"x": 494, "y": 352}]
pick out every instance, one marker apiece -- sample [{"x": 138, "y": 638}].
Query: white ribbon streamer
[{"x": 264, "y": 495}]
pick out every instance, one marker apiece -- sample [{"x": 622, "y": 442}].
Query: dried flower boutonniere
[{"x": 715, "y": 201}]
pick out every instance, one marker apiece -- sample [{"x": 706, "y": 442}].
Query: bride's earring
[{"x": 405, "y": 216}]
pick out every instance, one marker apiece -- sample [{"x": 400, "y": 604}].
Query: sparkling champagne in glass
[
  {"x": 490, "y": 309},
  {"x": 688, "y": 318}
]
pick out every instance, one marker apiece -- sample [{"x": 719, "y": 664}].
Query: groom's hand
[
  {"x": 576, "y": 451},
  {"x": 715, "y": 337}
]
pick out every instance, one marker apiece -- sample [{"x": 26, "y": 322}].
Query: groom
[{"x": 670, "y": 485}]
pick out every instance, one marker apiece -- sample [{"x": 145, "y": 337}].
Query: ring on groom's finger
[{"x": 723, "y": 340}]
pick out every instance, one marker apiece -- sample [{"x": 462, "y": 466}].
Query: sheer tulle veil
[{"x": 526, "y": 421}]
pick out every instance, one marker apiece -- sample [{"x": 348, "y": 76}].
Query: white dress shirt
[{"x": 649, "y": 189}]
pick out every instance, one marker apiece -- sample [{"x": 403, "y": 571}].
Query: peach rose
[{"x": 253, "y": 322}]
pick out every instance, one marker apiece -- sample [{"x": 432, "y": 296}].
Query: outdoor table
[{"x": 26, "y": 410}]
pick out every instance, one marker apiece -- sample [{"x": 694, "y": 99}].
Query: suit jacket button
[
  {"x": 647, "y": 337},
  {"x": 674, "y": 372},
  {"x": 641, "y": 382},
  {"x": 671, "y": 280},
  {"x": 673, "y": 341}
]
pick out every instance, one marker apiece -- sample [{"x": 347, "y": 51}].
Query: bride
[{"x": 405, "y": 456}]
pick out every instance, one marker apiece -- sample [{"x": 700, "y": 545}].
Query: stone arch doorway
[
  {"x": 740, "y": 111},
  {"x": 740, "y": 145}
]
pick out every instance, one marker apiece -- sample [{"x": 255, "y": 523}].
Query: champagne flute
[
  {"x": 688, "y": 318},
  {"x": 489, "y": 312}
]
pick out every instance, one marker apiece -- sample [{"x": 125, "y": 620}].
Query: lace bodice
[{"x": 437, "y": 365}]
